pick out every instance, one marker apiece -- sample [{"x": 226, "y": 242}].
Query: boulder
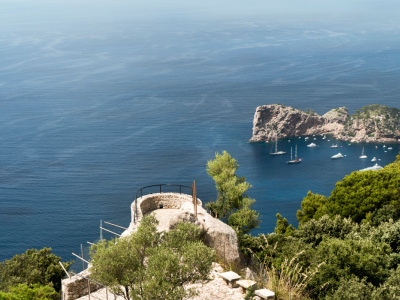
[{"x": 218, "y": 235}]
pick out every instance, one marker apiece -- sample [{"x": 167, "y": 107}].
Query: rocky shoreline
[{"x": 370, "y": 124}]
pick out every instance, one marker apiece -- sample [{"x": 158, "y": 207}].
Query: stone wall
[
  {"x": 151, "y": 202},
  {"x": 76, "y": 286}
]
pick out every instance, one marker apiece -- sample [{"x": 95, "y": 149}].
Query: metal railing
[{"x": 158, "y": 191}]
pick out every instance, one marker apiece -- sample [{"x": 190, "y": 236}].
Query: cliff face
[{"x": 373, "y": 123}]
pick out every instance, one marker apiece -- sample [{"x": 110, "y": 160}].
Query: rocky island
[{"x": 372, "y": 124}]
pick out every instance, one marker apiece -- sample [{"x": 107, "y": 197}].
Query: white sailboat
[
  {"x": 374, "y": 159},
  {"x": 276, "y": 148},
  {"x": 362, "y": 154},
  {"x": 295, "y": 160}
]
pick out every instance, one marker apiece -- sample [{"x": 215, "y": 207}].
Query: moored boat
[
  {"x": 295, "y": 160},
  {"x": 339, "y": 155},
  {"x": 362, "y": 154}
]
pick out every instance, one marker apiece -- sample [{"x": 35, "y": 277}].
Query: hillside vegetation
[{"x": 351, "y": 239}]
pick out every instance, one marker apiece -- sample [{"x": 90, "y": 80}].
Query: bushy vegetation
[
  {"x": 360, "y": 195},
  {"x": 351, "y": 238},
  {"x": 152, "y": 265},
  {"x": 35, "y": 274},
  {"x": 374, "y": 110},
  {"x": 347, "y": 246}
]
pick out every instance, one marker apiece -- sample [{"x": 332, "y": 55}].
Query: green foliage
[
  {"x": 151, "y": 265},
  {"x": 250, "y": 293},
  {"x": 348, "y": 258},
  {"x": 384, "y": 214},
  {"x": 315, "y": 231},
  {"x": 283, "y": 226},
  {"x": 313, "y": 207},
  {"x": 374, "y": 195},
  {"x": 390, "y": 289},
  {"x": 363, "y": 192},
  {"x": 353, "y": 289},
  {"x": 289, "y": 277},
  {"x": 24, "y": 292},
  {"x": 34, "y": 267},
  {"x": 232, "y": 205},
  {"x": 374, "y": 110}
]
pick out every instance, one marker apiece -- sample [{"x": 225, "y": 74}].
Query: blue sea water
[{"x": 98, "y": 100}]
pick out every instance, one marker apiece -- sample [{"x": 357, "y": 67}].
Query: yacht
[
  {"x": 295, "y": 160},
  {"x": 311, "y": 145},
  {"x": 374, "y": 159},
  {"x": 276, "y": 149},
  {"x": 373, "y": 168},
  {"x": 339, "y": 155}
]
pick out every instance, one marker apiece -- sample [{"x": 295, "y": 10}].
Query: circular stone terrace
[{"x": 163, "y": 202}]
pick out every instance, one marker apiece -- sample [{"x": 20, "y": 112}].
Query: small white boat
[
  {"x": 334, "y": 146},
  {"x": 306, "y": 138},
  {"x": 390, "y": 148},
  {"x": 324, "y": 137},
  {"x": 374, "y": 159},
  {"x": 373, "y": 168},
  {"x": 339, "y": 155},
  {"x": 376, "y": 147},
  {"x": 362, "y": 154},
  {"x": 384, "y": 146},
  {"x": 311, "y": 145},
  {"x": 315, "y": 139}
]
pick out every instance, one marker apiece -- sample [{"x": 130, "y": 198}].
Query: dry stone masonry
[{"x": 177, "y": 207}]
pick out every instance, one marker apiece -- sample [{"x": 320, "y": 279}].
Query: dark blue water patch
[{"x": 90, "y": 116}]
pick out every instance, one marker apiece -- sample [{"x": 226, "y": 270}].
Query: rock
[
  {"x": 218, "y": 235},
  {"x": 372, "y": 123},
  {"x": 248, "y": 273}
]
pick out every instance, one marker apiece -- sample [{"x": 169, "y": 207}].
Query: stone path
[
  {"x": 215, "y": 289},
  {"x": 164, "y": 216}
]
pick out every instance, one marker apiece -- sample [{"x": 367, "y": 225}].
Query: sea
[{"x": 99, "y": 99}]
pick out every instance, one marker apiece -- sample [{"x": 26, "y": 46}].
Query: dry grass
[{"x": 290, "y": 281}]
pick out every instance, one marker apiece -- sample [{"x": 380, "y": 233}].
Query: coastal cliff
[{"x": 371, "y": 124}]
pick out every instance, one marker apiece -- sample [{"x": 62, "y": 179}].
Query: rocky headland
[{"x": 371, "y": 124}]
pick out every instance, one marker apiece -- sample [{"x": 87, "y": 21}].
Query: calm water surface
[{"x": 97, "y": 103}]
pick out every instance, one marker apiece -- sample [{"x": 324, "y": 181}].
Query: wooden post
[{"x": 194, "y": 198}]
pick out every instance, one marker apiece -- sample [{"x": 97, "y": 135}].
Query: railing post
[{"x": 83, "y": 263}]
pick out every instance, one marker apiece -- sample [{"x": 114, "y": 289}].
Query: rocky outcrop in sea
[{"x": 371, "y": 124}]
